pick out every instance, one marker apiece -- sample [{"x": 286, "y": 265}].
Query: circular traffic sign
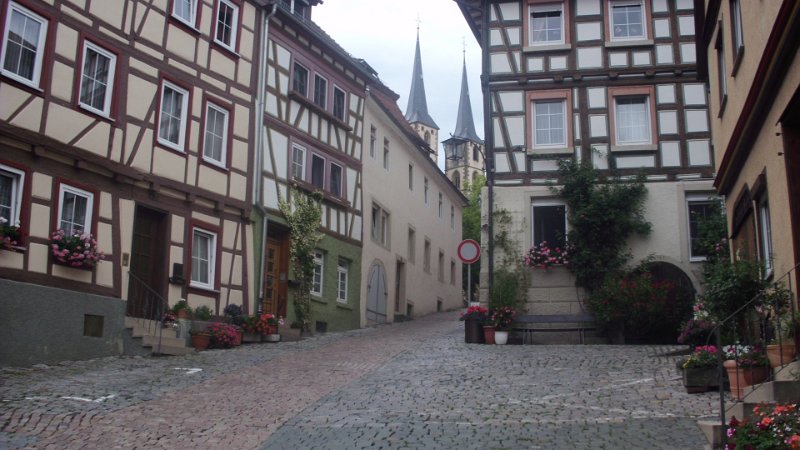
[{"x": 469, "y": 251}]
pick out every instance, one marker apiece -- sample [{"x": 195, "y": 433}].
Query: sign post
[{"x": 469, "y": 252}]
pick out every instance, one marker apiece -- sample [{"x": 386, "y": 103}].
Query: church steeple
[
  {"x": 465, "y": 125},
  {"x": 417, "y": 110}
]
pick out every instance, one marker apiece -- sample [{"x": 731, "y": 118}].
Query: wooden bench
[{"x": 527, "y": 324}]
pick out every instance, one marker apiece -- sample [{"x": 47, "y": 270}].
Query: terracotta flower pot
[
  {"x": 780, "y": 355},
  {"x": 742, "y": 377},
  {"x": 488, "y": 334},
  {"x": 201, "y": 341},
  {"x": 239, "y": 336}
]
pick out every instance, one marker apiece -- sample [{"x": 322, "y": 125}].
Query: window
[
  {"x": 336, "y": 180},
  {"x": 765, "y": 236},
  {"x": 227, "y": 24},
  {"x": 172, "y": 120},
  {"x": 11, "y": 186},
  {"x": 736, "y": 27},
  {"x": 412, "y": 244},
  {"x": 338, "y": 103},
  {"x": 298, "y": 162},
  {"x": 452, "y": 217},
  {"x": 386, "y": 154},
  {"x": 441, "y": 204},
  {"x": 632, "y": 116},
  {"x": 318, "y": 171},
  {"x": 547, "y": 24},
  {"x": 75, "y": 208},
  {"x": 632, "y": 120},
  {"x": 410, "y": 177},
  {"x": 475, "y": 152},
  {"x": 380, "y": 225},
  {"x": 215, "y": 143},
  {"x": 699, "y": 208},
  {"x": 452, "y": 272},
  {"x": 204, "y": 252},
  {"x": 185, "y": 11},
  {"x": 300, "y": 79},
  {"x": 627, "y": 20},
  {"x": 320, "y": 91},
  {"x": 425, "y": 190},
  {"x": 23, "y": 45},
  {"x": 319, "y": 267},
  {"x": 441, "y": 267},
  {"x": 549, "y": 123},
  {"x": 549, "y": 222},
  {"x": 97, "y": 79},
  {"x": 372, "y": 138},
  {"x": 342, "y": 268},
  {"x": 722, "y": 74},
  {"x": 457, "y": 180},
  {"x": 426, "y": 263}
]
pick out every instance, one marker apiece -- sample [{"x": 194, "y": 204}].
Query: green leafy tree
[
  {"x": 303, "y": 214},
  {"x": 471, "y": 227}
]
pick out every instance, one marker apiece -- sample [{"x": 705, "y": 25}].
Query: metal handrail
[
  {"x": 151, "y": 306},
  {"x": 745, "y": 309}
]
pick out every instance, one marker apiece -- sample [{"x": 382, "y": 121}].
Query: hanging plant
[{"x": 303, "y": 214}]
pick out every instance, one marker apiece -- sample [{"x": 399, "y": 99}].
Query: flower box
[
  {"x": 251, "y": 337},
  {"x": 700, "y": 379}
]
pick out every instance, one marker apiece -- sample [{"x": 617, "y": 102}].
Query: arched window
[
  {"x": 428, "y": 138},
  {"x": 457, "y": 179}
]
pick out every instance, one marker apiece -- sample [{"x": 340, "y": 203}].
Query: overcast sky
[{"x": 383, "y": 32}]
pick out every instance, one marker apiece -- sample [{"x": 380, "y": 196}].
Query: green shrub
[{"x": 202, "y": 313}]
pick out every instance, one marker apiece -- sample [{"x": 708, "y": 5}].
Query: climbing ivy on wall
[{"x": 303, "y": 214}]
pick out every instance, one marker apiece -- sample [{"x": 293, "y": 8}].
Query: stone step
[
  {"x": 776, "y": 392},
  {"x": 153, "y": 341},
  {"x": 713, "y": 429},
  {"x": 789, "y": 372},
  {"x": 174, "y": 351}
]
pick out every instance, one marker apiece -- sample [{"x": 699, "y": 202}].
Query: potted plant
[
  {"x": 201, "y": 339},
  {"x": 770, "y": 426},
  {"x": 223, "y": 335},
  {"x": 501, "y": 319},
  {"x": 181, "y": 309},
  {"x": 700, "y": 370},
  {"x": 256, "y": 328},
  {"x": 231, "y": 312},
  {"x": 473, "y": 318},
  {"x": 202, "y": 312},
  {"x": 746, "y": 366},
  {"x": 75, "y": 250},
  {"x": 781, "y": 349},
  {"x": 274, "y": 322},
  {"x": 169, "y": 320},
  {"x": 10, "y": 235}
]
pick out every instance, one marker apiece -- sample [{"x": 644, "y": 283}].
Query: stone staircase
[
  {"x": 161, "y": 341},
  {"x": 784, "y": 388}
]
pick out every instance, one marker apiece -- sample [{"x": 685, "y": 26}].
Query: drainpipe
[
  {"x": 488, "y": 131},
  {"x": 258, "y": 189}
]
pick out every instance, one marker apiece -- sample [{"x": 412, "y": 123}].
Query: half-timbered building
[
  {"x": 129, "y": 121},
  {"x": 612, "y": 83},
  {"x": 313, "y": 130}
]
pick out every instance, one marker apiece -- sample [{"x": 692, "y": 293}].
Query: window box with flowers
[
  {"x": 543, "y": 256},
  {"x": 77, "y": 250},
  {"x": 700, "y": 370},
  {"x": 11, "y": 237}
]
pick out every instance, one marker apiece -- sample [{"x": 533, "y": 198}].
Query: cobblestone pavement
[{"x": 409, "y": 385}]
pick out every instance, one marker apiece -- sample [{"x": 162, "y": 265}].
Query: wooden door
[
  {"x": 376, "y": 295},
  {"x": 275, "y": 270},
  {"x": 148, "y": 264}
]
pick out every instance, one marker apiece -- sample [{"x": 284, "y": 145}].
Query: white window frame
[
  {"x": 765, "y": 236},
  {"x": 618, "y": 122},
  {"x": 373, "y": 137},
  {"x": 612, "y": 4},
  {"x": 385, "y": 154},
  {"x": 317, "y": 280},
  {"x": 211, "y": 246},
  {"x": 341, "y": 180},
  {"x": 537, "y": 202},
  {"x": 342, "y": 275},
  {"x": 320, "y": 97},
  {"x": 722, "y": 70},
  {"x": 192, "y": 19},
  {"x": 105, "y": 111},
  {"x": 179, "y": 146},
  {"x": 708, "y": 199},
  {"x": 42, "y": 37},
  {"x": 565, "y": 123},
  {"x": 736, "y": 26},
  {"x": 234, "y": 24},
  {"x": 343, "y": 114},
  {"x": 17, "y": 188},
  {"x": 222, "y": 161},
  {"x": 87, "y": 217},
  {"x": 298, "y": 164},
  {"x": 545, "y": 8}
]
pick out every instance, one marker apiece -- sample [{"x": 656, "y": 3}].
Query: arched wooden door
[{"x": 376, "y": 294}]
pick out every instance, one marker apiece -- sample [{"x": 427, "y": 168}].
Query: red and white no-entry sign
[{"x": 469, "y": 251}]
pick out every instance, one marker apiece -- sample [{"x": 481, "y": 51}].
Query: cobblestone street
[{"x": 409, "y": 385}]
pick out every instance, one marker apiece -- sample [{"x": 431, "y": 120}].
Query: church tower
[
  {"x": 464, "y": 150},
  {"x": 417, "y": 110}
]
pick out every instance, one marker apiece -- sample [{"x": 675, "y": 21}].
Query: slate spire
[
  {"x": 465, "y": 124},
  {"x": 417, "y": 110}
]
